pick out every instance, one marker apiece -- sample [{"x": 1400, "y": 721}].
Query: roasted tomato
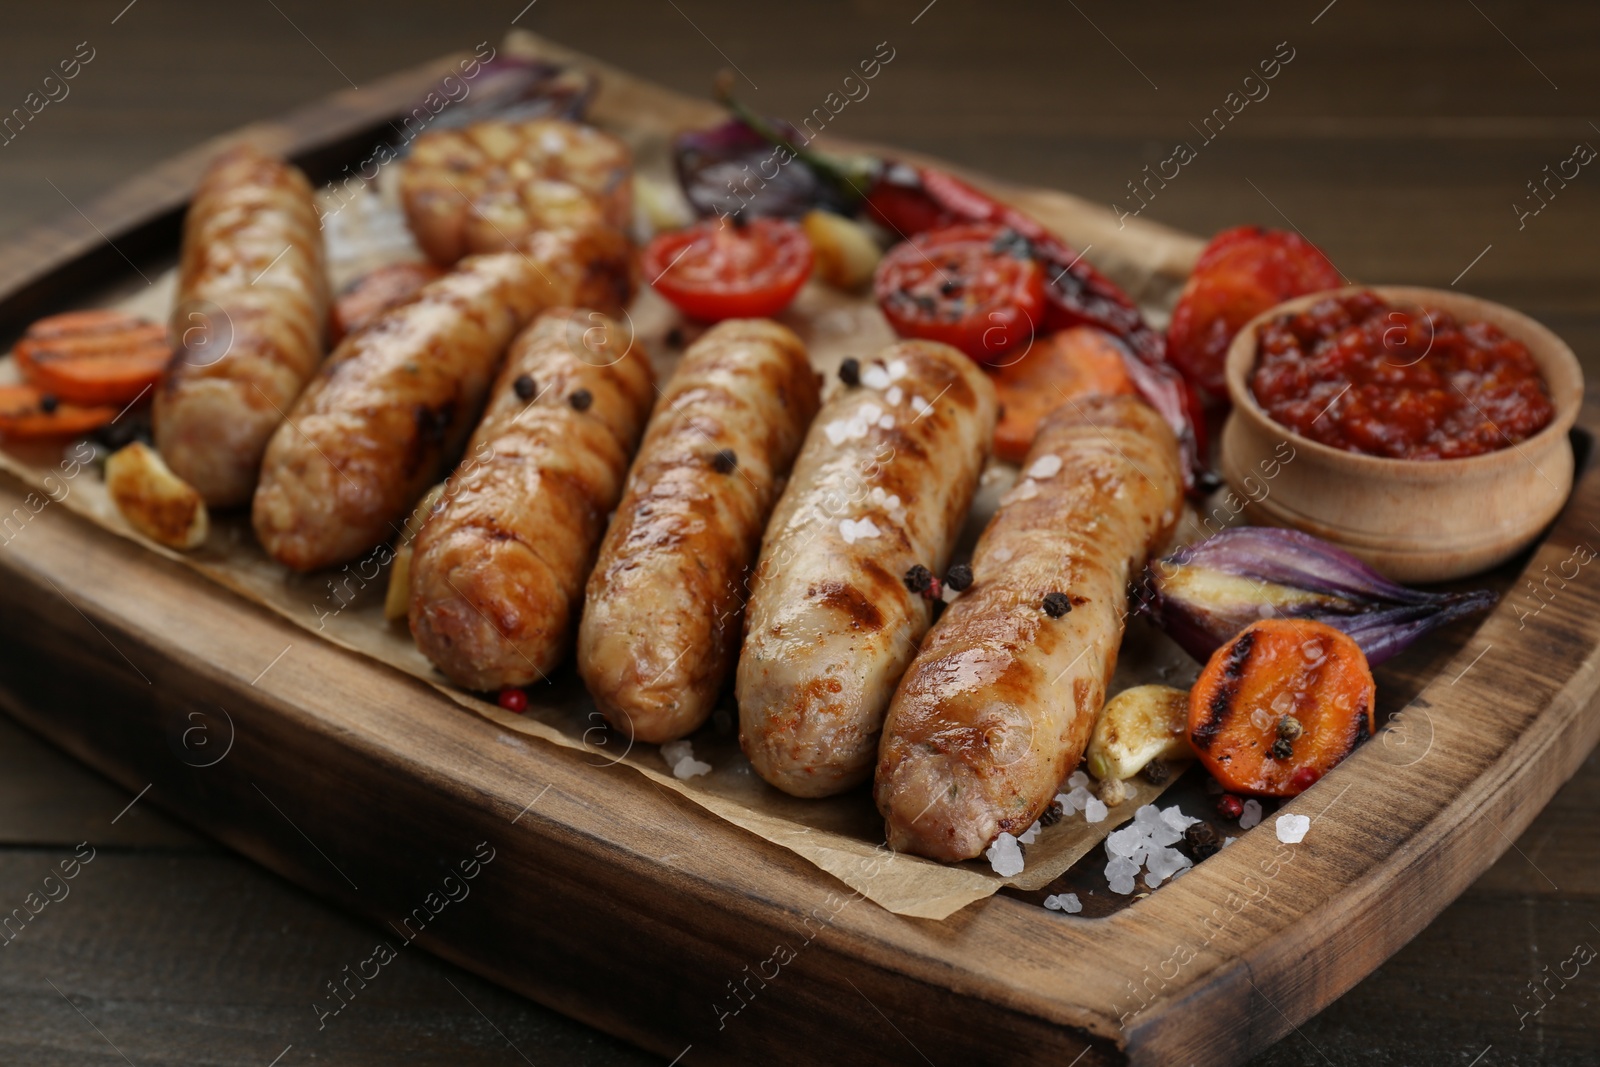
[
  {"x": 1242, "y": 272},
  {"x": 721, "y": 269},
  {"x": 976, "y": 287}
]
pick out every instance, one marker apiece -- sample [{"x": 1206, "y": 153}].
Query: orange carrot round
[
  {"x": 27, "y": 412},
  {"x": 1070, "y": 365},
  {"x": 93, "y": 357},
  {"x": 1280, "y": 705}
]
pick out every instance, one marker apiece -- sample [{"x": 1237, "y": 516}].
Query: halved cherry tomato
[
  {"x": 1241, "y": 273},
  {"x": 93, "y": 357},
  {"x": 27, "y": 412},
  {"x": 1081, "y": 362},
  {"x": 721, "y": 269},
  {"x": 976, "y": 287}
]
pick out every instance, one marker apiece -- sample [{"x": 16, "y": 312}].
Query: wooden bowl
[{"x": 1414, "y": 520}]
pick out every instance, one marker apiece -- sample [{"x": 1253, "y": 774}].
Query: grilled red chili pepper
[{"x": 911, "y": 199}]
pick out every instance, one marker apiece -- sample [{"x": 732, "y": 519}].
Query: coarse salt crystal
[
  {"x": 690, "y": 768},
  {"x": 875, "y": 377},
  {"x": 919, "y": 405},
  {"x": 1095, "y": 810},
  {"x": 1077, "y": 780},
  {"x": 1292, "y": 828},
  {"x": 1123, "y": 885},
  {"x": 1026, "y": 491},
  {"x": 853, "y": 530},
  {"x": 1002, "y": 555},
  {"x": 886, "y": 422},
  {"x": 895, "y": 394},
  {"x": 1004, "y": 856},
  {"x": 870, "y": 412},
  {"x": 1067, "y": 902},
  {"x": 679, "y": 755},
  {"x": 1031, "y": 834},
  {"x": 836, "y": 431},
  {"x": 897, "y": 370},
  {"x": 1251, "y": 814},
  {"x": 1176, "y": 819},
  {"x": 1045, "y": 467},
  {"x": 877, "y": 496}
]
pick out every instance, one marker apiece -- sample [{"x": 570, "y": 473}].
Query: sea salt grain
[
  {"x": 1004, "y": 856},
  {"x": 919, "y": 405},
  {"x": 1077, "y": 779},
  {"x": 1251, "y": 814},
  {"x": 875, "y": 377},
  {"x": 1045, "y": 467},
  {"x": 1095, "y": 810},
  {"x": 1067, "y": 902},
  {"x": 1031, "y": 834},
  {"x": 895, "y": 394},
  {"x": 886, "y": 423},
  {"x": 1292, "y": 828},
  {"x": 897, "y": 370},
  {"x": 679, "y": 755},
  {"x": 853, "y": 530}
]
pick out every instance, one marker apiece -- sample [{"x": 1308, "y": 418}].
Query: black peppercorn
[
  {"x": 1157, "y": 772},
  {"x": 725, "y": 461},
  {"x": 918, "y": 578},
  {"x": 1282, "y": 748},
  {"x": 581, "y": 400},
  {"x": 525, "y": 387},
  {"x": 959, "y": 577},
  {"x": 850, "y": 371},
  {"x": 1056, "y": 605},
  {"x": 675, "y": 337},
  {"x": 1052, "y": 814},
  {"x": 1202, "y": 839},
  {"x": 48, "y": 403}
]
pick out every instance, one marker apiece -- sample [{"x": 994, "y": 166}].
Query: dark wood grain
[{"x": 1400, "y": 150}]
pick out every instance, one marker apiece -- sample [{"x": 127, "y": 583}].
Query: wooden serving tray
[{"x": 618, "y": 902}]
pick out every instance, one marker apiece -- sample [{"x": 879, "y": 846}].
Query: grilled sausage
[
  {"x": 395, "y": 402},
  {"x": 251, "y": 270},
  {"x": 999, "y": 703},
  {"x": 661, "y": 616},
  {"x": 881, "y": 486},
  {"x": 497, "y": 570}
]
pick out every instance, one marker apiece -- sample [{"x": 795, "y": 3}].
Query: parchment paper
[{"x": 841, "y": 835}]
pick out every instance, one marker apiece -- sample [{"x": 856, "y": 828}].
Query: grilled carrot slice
[
  {"x": 376, "y": 292},
  {"x": 93, "y": 357},
  {"x": 1070, "y": 365},
  {"x": 1280, "y": 705},
  {"x": 27, "y": 412}
]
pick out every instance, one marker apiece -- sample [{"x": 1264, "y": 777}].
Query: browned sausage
[
  {"x": 395, "y": 402},
  {"x": 661, "y": 618},
  {"x": 497, "y": 570},
  {"x": 998, "y": 705},
  {"x": 882, "y": 485},
  {"x": 247, "y": 323}
]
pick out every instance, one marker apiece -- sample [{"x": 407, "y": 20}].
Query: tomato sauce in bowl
[{"x": 1359, "y": 374}]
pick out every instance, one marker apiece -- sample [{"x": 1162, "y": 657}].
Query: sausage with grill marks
[
  {"x": 882, "y": 485},
  {"x": 661, "y": 617},
  {"x": 247, "y": 325},
  {"x": 999, "y": 704},
  {"x": 497, "y": 570}
]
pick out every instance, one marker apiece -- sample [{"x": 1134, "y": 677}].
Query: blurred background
[{"x": 1404, "y": 139}]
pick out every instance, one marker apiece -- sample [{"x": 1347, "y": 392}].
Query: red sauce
[{"x": 1404, "y": 383}]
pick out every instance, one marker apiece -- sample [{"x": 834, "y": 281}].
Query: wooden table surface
[{"x": 1406, "y": 140}]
